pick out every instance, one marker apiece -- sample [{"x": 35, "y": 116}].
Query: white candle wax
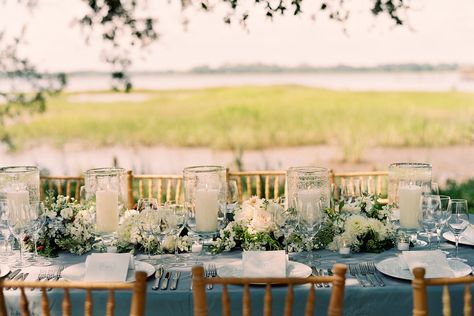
[
  {"x": 308, "y": 202},
  {"x": 106, "y": 211},
  {"x": 344, "y": 250},
  {"x": 17, "y": 202},
  {"x": 410, "y": 206},
  {"x": 403, "y": 246},
  {"x": 206, "y": 209}
]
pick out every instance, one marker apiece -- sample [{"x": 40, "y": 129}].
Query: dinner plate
[
  {"x": 293, "y": 269},
  {"x": 4, "y": 270},
  {"x": 391, "y": 267},
  {"x": 76, "y": 272},
  {"x": 463, "y": 239}
]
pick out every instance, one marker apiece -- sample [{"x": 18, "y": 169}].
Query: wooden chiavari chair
[
  {"x": 357, "y": 183},
  {"x": 61, "y": 185},
  {"x": 335, "y": 307},
  {"x": 420, "y": 296},
  {"x": 137, "y": 307},
  {"x": 164, "y": 188},
  {"x": 267, "y": 184}
]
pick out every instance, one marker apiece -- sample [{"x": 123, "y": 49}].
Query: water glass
[
  {"x": 428, "y": 218},
  {"x": 458, "y": 222},
  {"x": 35, "y": 228},
  {"x": 442, "y": 216}
]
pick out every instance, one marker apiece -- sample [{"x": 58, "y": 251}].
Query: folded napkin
[
  {"x": 468, "y": 234},
  {"x": 434, "y": 262},
  {"x": 107, "y": 267},
  {"x": 264, "y": 264}
]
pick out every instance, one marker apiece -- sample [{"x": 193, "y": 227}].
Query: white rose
[
  {"x": 66, "y": 213},
  {"x": 261, "y": 221},
  {"x": 51, "y": 214},
  {"x": 246, "y": 213},
  {"x": 168, "y": 243}
]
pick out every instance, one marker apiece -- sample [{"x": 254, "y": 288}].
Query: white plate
[
  {"x": 4, "y": 270},
  {"x": 391, "y": 267},
  {"x": 293, "y": 269},
  {"x": 463, "y": 239},
  {"x": 76, "y": 272}
]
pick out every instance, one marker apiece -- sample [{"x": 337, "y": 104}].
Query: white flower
[
  {"x": 261, "y": 221},
  {"x": 169, "y": 243},
  {"x": 356, "y": 225},
  {"x": 353, "y": 209},
  {"x": 66, "y": 213}
]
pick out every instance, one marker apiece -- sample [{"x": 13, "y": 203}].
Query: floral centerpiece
[
  {"x": 68, "y": 226},
  {"x": 363, "y": 224}
]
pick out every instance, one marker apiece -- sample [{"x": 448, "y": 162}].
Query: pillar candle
[
  {"x": 308, "y": 202},
  {"x": 410, "y": 206},
  {"x": 17, "y": 201},
  {"x": 206, "y": 209},
  {"x": 106, "y": 211}
]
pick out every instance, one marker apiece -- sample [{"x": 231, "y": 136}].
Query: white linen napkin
[
  {"x": 107, "y": 267},
  {"x": 264, "y": 264},
  {"x": 468, "y": 234},
  {"x": 434, "y": 262}
]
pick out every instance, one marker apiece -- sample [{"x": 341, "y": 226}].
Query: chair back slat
[
  {"x": 178, "y": 189},
  {"x": 420, "y": 296},
  {"x": 199, "y": 283},
  {"x": 150, "y": 188},
  {"x": 44, "y": 302},
  {"x": 110, "y": 303},
  {"x": 88, "y": 303},
  {"x": 467, "y": 300},
  {"x": 168, "y": 190},
  {"x": 310, "y": 301},
  {"x": 267, "y": 187},
  {"x": 3, "y": 306},
  {"x": 160, "y": 191},
  {"x": 276, "y": 184},
  {"x": 66, "y": 303},
  {"x": 24, "y": 303},
  {"x": 267, "y": 309},
  {"x": 289, "y": 301},
  {"x": 225, "y": 301},
  {"x": 446, "y": 301},
  {"x": 141, "y": 193},
  {"x": 249, "y": 186}
]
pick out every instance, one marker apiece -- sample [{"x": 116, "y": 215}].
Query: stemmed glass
[
  {"x": 176, "y": 221},
  {"x": 458, "y": 222},
  {"x": 5, "y": 252},
  {"x": 20, "y": 216},
  {"x": 35, "y": 229},
  {"x": 310, "y": 217},
  {"x": 287, "y": 221},
  {"x": 428, "y": 219},
  {"x": 149, "y": 223},
  {"x": 442, "y": 216}
]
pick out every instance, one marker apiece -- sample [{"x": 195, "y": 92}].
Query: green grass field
[{"x": 259, "y": 117}]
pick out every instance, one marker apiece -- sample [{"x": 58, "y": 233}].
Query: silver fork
[
  {"x": 42, "y": 275},
  {"x": 364, "y": 271},
  {"x": 355, "y": 273},
  {"x": 211, "y": 273},
  {"x": 373, "y": 271},
  {"x": 57, "y": 275}
]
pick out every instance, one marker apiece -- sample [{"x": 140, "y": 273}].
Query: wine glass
[
  {"x": 176, "y": 221},
  {"x": 232, "y": 196},
  {"x": 434, "y": 188},
  {"x": 5, "y": 252},
  {"x": 428, "y": 218},
  {"x": 35, "y": 229},
  {"x": 310, "y": 218},
  {"x": 20, "y": 216},
  {"x": 442, "y": 216},
  {"x": 458, "y": 221},
  {"x": 287, "y": 221}
]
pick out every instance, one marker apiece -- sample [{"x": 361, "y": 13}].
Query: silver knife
[
  {"x": 174, "y": 280},
  {"x": 18, "y": 277},
  {"x": 158, "y": 275},
  {"x": 315, "y": 272},
  {"x": 164, "y": 285},
  {"x": 12, "y": 274}
]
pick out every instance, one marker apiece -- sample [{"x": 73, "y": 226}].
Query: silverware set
[
  {"x": 366, "y": 273},
  {"x": 52, "y": 274},
  {"x": 210, "y": 272},
  {"x": 162, "y": 279},
  {"x": 321, "y": 272}
]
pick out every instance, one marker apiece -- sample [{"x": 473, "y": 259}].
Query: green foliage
[{"x": 463, "y": 190}]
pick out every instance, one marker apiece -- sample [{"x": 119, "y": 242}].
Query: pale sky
[{"x": 442, "y": 31}]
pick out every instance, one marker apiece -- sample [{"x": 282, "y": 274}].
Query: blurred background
[{"x": 155, "y": 86}]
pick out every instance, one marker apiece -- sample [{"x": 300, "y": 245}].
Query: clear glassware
[
  {"x": 147, "y": 203},
  {"x": 176, "y": 222},
  {"x": 443, "y": 215},
  {"x": 205, "y": 198},
  {"x": 232, "y": 196},
  {"x": 150, "y": 224},
  {"x": 407, "y": 172},
  {"x": 458, "y": 222},
  {"x": 5, "y": 250},
  {"x": 287, "y": 221},
  {"x": 25, "y": 176},
  {"x": 314, "y": 181},
  {"x": 35, "y": 229},
  {"x": 20, "y": 215},
  {"x": 431, "y": 207},
  {"x": 310, "y": 217},
  {"x": 410, "y": 210},
  {"x": 107, "y": 187}
]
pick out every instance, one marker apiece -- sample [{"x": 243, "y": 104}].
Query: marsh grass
[{"x": 259, "y": 117}]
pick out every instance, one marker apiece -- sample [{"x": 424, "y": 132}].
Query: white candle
[
  {"x": 18, "y": 203},
  {"x": 403, "y": 246},
  {"x": 106, "y": 211},
  {"x": 206, "y": 209},
  {"x": 308, "y": 203},
  {"x": 410, "y": 206},
  {"x": 344, "y": 251}
]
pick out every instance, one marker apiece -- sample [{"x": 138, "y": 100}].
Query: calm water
[{"x": 422, "y": 81}]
